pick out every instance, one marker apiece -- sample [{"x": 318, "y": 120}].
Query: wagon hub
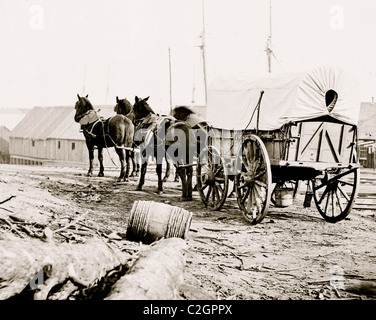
[
  {"x": 208, "y": 178},
  {"x": 248, "y": 179}
]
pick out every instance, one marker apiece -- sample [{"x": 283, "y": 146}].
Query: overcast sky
[{"x": 53, "y": 49}]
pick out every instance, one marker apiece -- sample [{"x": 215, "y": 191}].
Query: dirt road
[{"x": 292, "y": 254}]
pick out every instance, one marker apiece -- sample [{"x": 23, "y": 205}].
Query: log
[
  {"x": 360, "y": 287},
  {"x": 22, "y": 259},
  {"x": 155, "y": 275}
]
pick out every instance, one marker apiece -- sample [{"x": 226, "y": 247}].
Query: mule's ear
[
  {"x": 87, "y": 96},
  {"x": 146, "y": 99},
  {"x": 78, "y": 96},
  {"x": 117, "y": 99},
  {"x": 136, "y": 99}
]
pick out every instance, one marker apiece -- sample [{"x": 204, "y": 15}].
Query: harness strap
[{"x": 90, "y": 132}]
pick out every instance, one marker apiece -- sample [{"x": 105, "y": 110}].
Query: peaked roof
[
  {"x": 53, "y": 123},
  {"x": 11, "y": 117}
]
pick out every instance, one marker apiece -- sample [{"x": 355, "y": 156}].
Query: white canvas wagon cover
[{"x": 287, "y": 97}]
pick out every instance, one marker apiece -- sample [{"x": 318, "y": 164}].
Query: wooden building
[
  {"x": 4, "y": 144},
  {"x": 367, "y": 134},
  {"x": 50, "y": 136},
  {"x": 9, "y": 118}
]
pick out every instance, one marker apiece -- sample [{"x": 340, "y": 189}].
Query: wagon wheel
[
  {"x": 335, "y": 193},
  {"x": 212, "y": 178},
  {"x": 254, "y": 180},
  {"x": 285, "y": 184}
]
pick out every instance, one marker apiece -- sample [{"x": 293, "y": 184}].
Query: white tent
[{"x": 287, "y": 97}]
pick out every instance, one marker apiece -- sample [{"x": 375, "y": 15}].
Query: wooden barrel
[{"x": 150, "y": 221}]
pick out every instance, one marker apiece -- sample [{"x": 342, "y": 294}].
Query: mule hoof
[
  {"x": 139, "y": 188},
  {"x": 164, "y": 179},
  {"x": 160, "y": 192},
  {"x": 186, "y": 199},
  {"x": 100, "y": 174},
  {"x": 126, "y": 179},
  {"x": 89, "y": 174}
]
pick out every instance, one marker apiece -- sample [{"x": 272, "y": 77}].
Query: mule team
[{"x": 138, "y": 127}]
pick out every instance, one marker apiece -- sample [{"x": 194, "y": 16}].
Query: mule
[
  {"x": 186, "y": 114},
  {"x": 124, "y": 107},
  {"x": 158, "y": 128},
  {"x": 116, "y": 131}
]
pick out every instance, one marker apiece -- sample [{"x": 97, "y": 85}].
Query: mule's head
[
  {"x": 123, "y": 106},
  {"x": 83, "y": 105},
  {"x": 141, "y": 108},
  {"x": 181, "y": 113}
]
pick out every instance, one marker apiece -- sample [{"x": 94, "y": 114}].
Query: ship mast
[
  {"x": 203, "y": 37},
  {"x": 268, "y": 49},
  {"x": 170, "y": 76}
]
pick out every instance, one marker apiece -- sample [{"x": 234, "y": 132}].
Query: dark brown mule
[
  {"x": 186, "y": 114},
  {"x": 124, "y": 107},
  {"x": 160, "y": 127},
  {"x": 116, "y": 132}
]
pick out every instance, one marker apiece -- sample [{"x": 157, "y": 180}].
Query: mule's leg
[
  {"x": 181, "y": 172},
  {"x": 100, "y": 159},
  {"x": 121, "y": 153},
  {"x": 138, "y": 161},
  {"x": 132, "y": 156},
  {"x": 160, "y": 181},
  {"x": 128, "y": 159},
  {"x": 189, "y": 173},
  {"x": 168, "y": 171},
  {"x": 142, "y": 175},
  {"x": 90, "y": 148},
  {"x": 176, "y": 177}
]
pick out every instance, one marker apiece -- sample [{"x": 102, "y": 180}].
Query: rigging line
[{"x": 277, "y": 60}]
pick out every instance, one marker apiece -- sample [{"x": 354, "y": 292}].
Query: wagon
[{"x": 280, "y": 134}]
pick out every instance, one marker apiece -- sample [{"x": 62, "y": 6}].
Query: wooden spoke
[
  {"x": 215, "y": 193},
  {"x": 346, "y": 183},
  {"x": 209, "y": 193},
  {"x": 245, "y": 196},
  {"x": 261, "y": 184},
  {"x": 323, "y": 195},
  {"x": 344, "y": 193},
  {"x": 333, "y": 207},
  {"x": 218, "y": 185},
  {"x": 202, "y": 188},
  {"x": 327, "y": 203},
  {"x": 338, "y": 201}
]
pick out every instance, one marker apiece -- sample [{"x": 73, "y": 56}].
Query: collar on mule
[{"x": 90, "y": 117}]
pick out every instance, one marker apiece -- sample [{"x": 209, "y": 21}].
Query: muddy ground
[{"x": 292, "y": 254}]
